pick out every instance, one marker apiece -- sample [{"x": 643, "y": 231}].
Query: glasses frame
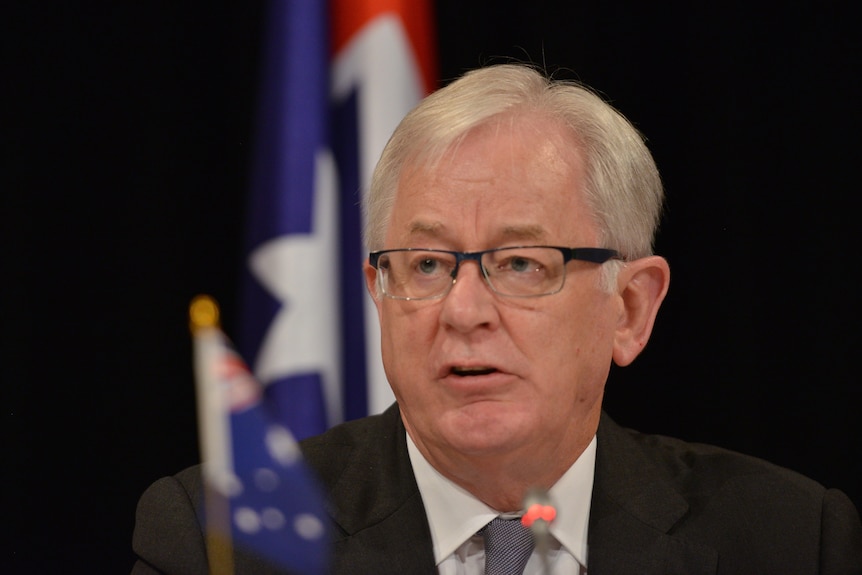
[{"x": 592, "y": 255}]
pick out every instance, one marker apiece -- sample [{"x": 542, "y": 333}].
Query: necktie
[{"x": 508, "y": 546}]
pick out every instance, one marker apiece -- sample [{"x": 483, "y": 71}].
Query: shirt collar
[
  {"x": 454, "y": 515},
  {"x": 572, "y": 496}
]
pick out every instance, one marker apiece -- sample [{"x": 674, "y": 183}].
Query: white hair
[{"x": 623, "y": 188}]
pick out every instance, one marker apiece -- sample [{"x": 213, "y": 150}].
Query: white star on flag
[{"x": 300, "y": 271}]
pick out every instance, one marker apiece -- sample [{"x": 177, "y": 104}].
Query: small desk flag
[{"x": 259, "y": 494}]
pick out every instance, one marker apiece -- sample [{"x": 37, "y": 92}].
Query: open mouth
[{"x": 472, "y": 371}]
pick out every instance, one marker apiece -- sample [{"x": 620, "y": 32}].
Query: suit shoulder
[
  {"x": 363, "y": 439},
  {"x": 352, "y": 433},
  {"x": 706, "y": 475},
  {"x": 756, "y": 516},
  {"x": 167, "y": 534},
  {"x": 715, "y": 480},
  {"x": 713, "y": 466}
]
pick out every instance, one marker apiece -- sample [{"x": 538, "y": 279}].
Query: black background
[{"x": 125, "y": 132}]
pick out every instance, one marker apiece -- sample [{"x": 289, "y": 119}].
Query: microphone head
[{"x": 539, "y": 512}]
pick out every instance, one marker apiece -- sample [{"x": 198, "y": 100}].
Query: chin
[{"x": 482, "y": 430}]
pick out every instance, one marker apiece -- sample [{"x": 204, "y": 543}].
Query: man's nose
[{"x": 470, "y": 302}]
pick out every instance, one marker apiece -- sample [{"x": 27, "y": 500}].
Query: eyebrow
[
  {"x": 507, "y": 233},
  {"x": 425, "y": 228},
  {"x": 529, "y": 231}
]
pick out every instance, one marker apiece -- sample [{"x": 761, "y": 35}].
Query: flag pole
[{"x": 213, "y": 436}]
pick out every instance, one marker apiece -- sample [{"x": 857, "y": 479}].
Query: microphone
[{"x": 538, "y": 515}]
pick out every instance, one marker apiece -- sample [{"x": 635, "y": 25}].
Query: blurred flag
[
  {"x": 384, "y": 62},
  {"x": 336, "y": 80},
  {"x": 258, "y": 494}
]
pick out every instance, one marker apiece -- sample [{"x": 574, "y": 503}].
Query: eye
[
  {"x": 521, "y": 264},
  {"x": 428, "y": 266}
]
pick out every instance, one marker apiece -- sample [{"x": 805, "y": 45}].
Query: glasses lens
[
  {"x": 525, "y": 271},
  {"x": 416, "y": 274}
]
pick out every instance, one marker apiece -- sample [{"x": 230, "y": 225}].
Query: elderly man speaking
[{"x": 511, "y": 220}]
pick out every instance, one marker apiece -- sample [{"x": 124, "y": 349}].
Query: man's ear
[
  {"x": 642, "y": 285},
  {"x": 371, "y": 280}
]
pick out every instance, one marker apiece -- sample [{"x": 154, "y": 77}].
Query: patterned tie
[{"x": 508, "y": 546}]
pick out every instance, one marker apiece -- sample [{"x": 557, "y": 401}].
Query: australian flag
[
  {"x": 259, "y": 495},
  {"x": 337, "y": 77}
]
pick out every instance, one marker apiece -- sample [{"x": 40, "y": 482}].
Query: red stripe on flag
[{"x": 349, "y": 16}]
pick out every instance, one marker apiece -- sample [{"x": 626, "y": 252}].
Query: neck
[{"x": 512, "y": 473}]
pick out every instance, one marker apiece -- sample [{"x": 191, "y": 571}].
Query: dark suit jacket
[{"x": 659, "y": 506}]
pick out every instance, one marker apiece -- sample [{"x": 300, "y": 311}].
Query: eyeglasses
[{"x": 529, "y": 271}]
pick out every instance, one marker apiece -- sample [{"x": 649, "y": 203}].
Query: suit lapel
[
  {"x": 398, "y": 544},
  {"x": 377, "y": 505},
  {"x": 633, "y": 511}
]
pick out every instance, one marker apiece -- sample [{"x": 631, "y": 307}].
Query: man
[{"x": 511, "y": 221}]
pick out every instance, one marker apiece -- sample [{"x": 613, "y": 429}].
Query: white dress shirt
[{"x": 455, "y": 516}]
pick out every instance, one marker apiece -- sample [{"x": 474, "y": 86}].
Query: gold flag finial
[{"x": 203, "y": 313}]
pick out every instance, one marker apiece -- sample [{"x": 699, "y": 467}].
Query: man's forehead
[{"x": 534, "y": 132}]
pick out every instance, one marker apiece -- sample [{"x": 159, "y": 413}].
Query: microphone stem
[
  {"x": 539, "y": 512},
  {"x": 546, "y": 567},
  {"x": 541, "y": 535}
]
